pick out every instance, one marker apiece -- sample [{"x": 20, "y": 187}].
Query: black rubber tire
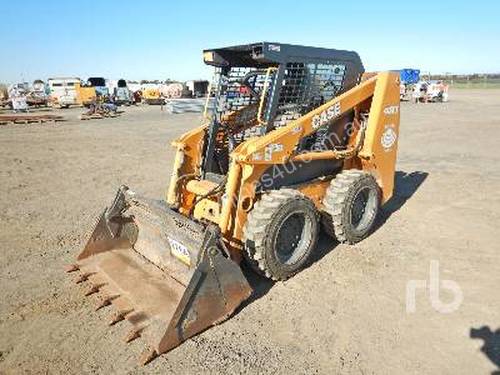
[
  {"x": 265, "y": 228},
  {"x": 339, "y": 202}
]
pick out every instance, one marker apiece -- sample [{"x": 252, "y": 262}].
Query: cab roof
[{"x": 264, "y": 54}]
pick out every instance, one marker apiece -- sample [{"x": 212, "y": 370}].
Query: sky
[{"x": 164, "y": 39}]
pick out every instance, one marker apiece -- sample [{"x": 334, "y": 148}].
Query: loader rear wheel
[
  {"x": 281, "y": 233},
  {"x": 351, "y": 206}
]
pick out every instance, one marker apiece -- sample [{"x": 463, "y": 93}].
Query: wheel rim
[
  {"x": 293, "y": 238},
  {"x": 363, "y": 208}
]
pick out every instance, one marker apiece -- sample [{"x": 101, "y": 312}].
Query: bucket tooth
[
  {"x": 83, "y": 277},
  {"x": 118, "y": 317},
  {"x": 148, "y": 355},
  {"x": 132, "y": 335},
  {"x": 71, "y": 268},
  {"x": 92, "y": 290},
  {"x": 80, "y": 279},
  {"x": 104, "y": 300}
]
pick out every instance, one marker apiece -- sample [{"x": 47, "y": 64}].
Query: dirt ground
[{"x": 346, "y": 313}]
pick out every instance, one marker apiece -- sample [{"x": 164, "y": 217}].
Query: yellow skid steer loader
[{"x": 297, "y": 138}]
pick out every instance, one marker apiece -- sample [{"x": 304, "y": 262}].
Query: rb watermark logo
[{"x": 434, "y": 285}]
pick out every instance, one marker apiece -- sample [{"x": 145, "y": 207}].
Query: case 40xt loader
[{"x": 298, "y": 138}]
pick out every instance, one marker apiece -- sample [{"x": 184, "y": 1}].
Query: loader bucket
[{"x": 168, "y": 276}]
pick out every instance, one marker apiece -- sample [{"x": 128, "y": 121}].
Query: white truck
[{"x": 62, "y": 91}]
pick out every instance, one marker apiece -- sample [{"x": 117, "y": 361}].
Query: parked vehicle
[
  {"x": 122, "y": 93},
  {"x": 37, "y": 95},
  {"x": 86, "y": 93},
  {"x": 62, "y": 91},
  {"x": 99, "y": 83},
  {"x": 198, "y": 88},
  {"x": 437, "y": 91},
  {"x": 430, "y": 91},
  {"x": 152, "y": 95},
  {"x": 171, "y": 267}
]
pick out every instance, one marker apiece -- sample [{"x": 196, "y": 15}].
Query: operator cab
[{"x": 263, "y": 86}]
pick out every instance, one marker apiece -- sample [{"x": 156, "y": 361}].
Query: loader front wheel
[
  {"x": 351, "y": 206},
  {"x": 281, "y": 233}
]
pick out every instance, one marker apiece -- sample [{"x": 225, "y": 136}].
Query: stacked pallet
[
  {"x": 98, "y": 115},
  {"x": 28, "y": 119},
  {"x": 186, "y": 105}
]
